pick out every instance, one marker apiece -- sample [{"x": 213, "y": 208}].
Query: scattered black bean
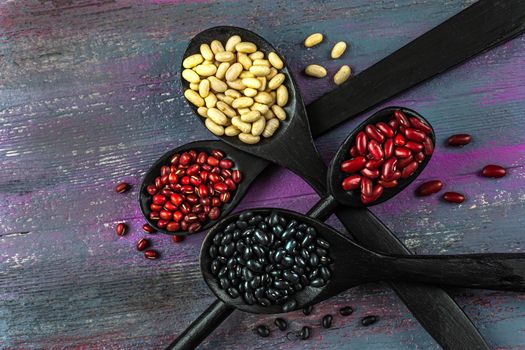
[
  {"x": 327, "y": 321},
  {"x": 263, "y": 331},
  {"x": 308, "y": 310},
  {"x": 346, "y": 311},
  {"x": 368, "y": 320},
  {"x": 266, "y": 259},
  {"x": 281, "y": 324},
  {"x": 305, "y": 333}
]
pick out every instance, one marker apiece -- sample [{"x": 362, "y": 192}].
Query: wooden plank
[{"x": 90, "y": 95}]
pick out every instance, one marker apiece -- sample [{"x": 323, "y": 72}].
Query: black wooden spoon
[
  {"x": 423, "y": 301},
  {"x": 352, "y": 265}
]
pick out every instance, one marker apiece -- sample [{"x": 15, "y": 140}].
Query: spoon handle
[
  {"x": 486, "y": 271},
  {"x": 210, "y": 319}
]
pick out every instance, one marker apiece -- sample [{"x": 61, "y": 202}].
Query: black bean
[
  {"x": 248, "y": 298},
  {"x": 304, "y": 280},
  {"x": 241, "y": 224},
  {"x": 255, "y": 266},
  {"x": 274, "y": 219},
  {"x": 314, "y": 260},
  {"x": 307, "y": 310},
  {"x": 324, "y": 272},
  {"x": 231, "y": 275},
  {"x": 302, "y": 227},
  {"x": 283, "y": 221},
  {"x": 291, "y": 276},
  {"x": 238, "y": 270},
  {"x": 222, "y": 272},
  {"x": 346, "y": 311},
  {"x": 287, "y": 261},
  {"x": 322, "y": 243},
  {"x": 258, "y": 251},
  {"x": 281, "y": 324},
  {"x": 225, "y": 283},
  {"x": 299, "y": 235},
  {"x": 313, "y": 274},
  {"x": 226, "y": 239},
  {"x": 212, "y": 252},
  {"x": 240, "y": 246},
  {"x": 233, "y": 292},
  {"x": 290, "y": 245},
  {"x": 298, "y": 286},
  {"x": 274, "y": 273},
  {"x": 318, "y": 282},
  {"x": 368, "y": 320},
  {"x": 298, "y": 269},
  {"x": 217, "y": 239},
  {"x": 264, "y": 302},
  {"x": 247, "y": 274},
  {"x": 320, "y": 251},
  {"x": 325, "y": 260},
  {"x": 215, "y": 266},
  {"x": 289, "y": 233},
  {"x": 254, "y": 220},
  {"x": 310, "y": 248},
  {"x": 289, "y": 305},
  {"x": 236, "y": 235},
  {"x": 305, "y": 333},
  {"x": 305, "y": 254},
  {"x": 261, "y": 237},
  {"x": 279, "y": 255},
  {"x": 247, "y": 253},
  {"x": 308, "y": 238},
  {"x": 263, "y": 331},
  {"x": 280, "y": 284},
  {"x": 256, "y": 282},
  {"x": 222, "y": 259},
  {"x": 278, "y": 230},
  {"x": 229, "y": 249},
  {"x": 241, "y": 261},
  {"x": 327, "y": 321},
  {"x": 259, "y": 292},
  {"x": 230, "y": 228},
  {"x": 300, "y": 261}
]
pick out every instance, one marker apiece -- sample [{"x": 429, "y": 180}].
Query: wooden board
[{"x": 90, "y": 95}]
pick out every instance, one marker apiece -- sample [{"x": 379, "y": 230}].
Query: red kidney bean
[
  {"x": 353, "y": 152},
  {"x": 403, "y": 162},
  {"x": 353, "y": 165},
  {"x": 370, "y": 173},
  {"x": 178, "y": 216},
  {"x": 142, "y": 244},
  {"x": 414, "y": 135},
  {"x": 395, "y": 176},
  {"x": 429, "y": 187},
  {"x": 376, "y": 193},
  {"x": 151, "y": 254},
  {"x": 389, "y": 167},
  {"x": 388, "y": 148},
  {"x": 402, "y": 152},
  {"x": 122, "y": 187},
  {"x": 374, "y": 164},
  {"x": 414, "y": 146},
  {"x": 385, "y": 129},
  {"x": 428, "y": 145},
  {"x": 173, "y": 226},
  {"x": 419, "y": 157},
  {"x": 453, "y": 197},
  {"x": 366, "y": 186},
  {"x": 236, "y": 176},
  {"x": 399, "y": 140},
  {"x": 494, "y": 171},
  {"x": 401, "y": 118},
  {"x": 375, "y": 150},
  {"x": 148, "y": 228},
  {"x": 361, "y": 143},
  {"x": 420, "y": 125},
  {"x": 151, "y": 189},
  {"x": 388, "y": 184},
  {"x": 177, "y": 239},
  {"x": 155, "y": 207},
  {"x": 351, "y": 182},
  {"x": 409, "y": 169},
  {"x": 165, "y": 215},
  {"x": 459, "y": 140},
  {"x": 372, "y": 132},
  {"x": 121, "y": 229},
  {"x": 162, "y": 223},
  {"x": 393, "y": 124}
]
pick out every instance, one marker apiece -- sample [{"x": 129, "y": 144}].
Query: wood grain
[{"x": 90, "y": 95}]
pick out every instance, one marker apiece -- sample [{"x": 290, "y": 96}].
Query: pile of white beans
[{"x": 237, "y": 88}]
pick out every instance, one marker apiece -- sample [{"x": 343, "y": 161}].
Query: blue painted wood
[{"x": 90, "y": 95}]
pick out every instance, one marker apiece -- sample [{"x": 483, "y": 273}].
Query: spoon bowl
[
  {"x": 249, "y": 167},
  {"x": 336, "y": 176}
]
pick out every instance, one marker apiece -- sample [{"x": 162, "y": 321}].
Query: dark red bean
[
  {"x": 164, "y": 170},
  {"x": 375, "y": 150},
  {"x": 187, "y": 189},
  {"x": 393, "y": 124},
  {"x": 353, "y": 152},
  {"x": 403, "y": 162},
  {"x": 366, "y": 186},
  {"x": 155, "y": 207},
  {"x": 121, "y": 229},
  {"x": 178, "y": 215},
  {"x": 190, "y": 218},
  {"x": 429, "y": 187},
  {"x": 225, "y": 197},
  {"x": 154, "y": 215},
  {"x": 419, "y": 157},
  {"x": 494, "y": 171},
  {"x": 236, "y": 176},
  {"x": 159, "y": 199},
  {"x": 401, "y": 118},
  {"x": 165, "y": 215},
  {"x": 376, "y": 193},
  {"x": 184, "y": 159},
  {"x": 170, "y": 206},
  {"x": 399, "y": 140},
  {"x": 459, "y": 140},
  {"x": 176, "y": 199},
  {"x": 353, "y": 165},
  {"x": 207, "y": 208},
  {"x": 453, "y": 197},
  {"x": 148, "y": 228},
  {"x": 215, "y": 201},
  {"x": 216, "y": 170},
  {"x": 388, "y": 184},
  {"x": 201, "y": 158},
  {"x": 185, "y": 180},
  {"x": 372, "y": 132},
  {"x": 370, "y": 173},
  {"x": 193, "y": 154},
  {"x": 388, "y": 148},
  {"x": 177, "y": 239},
  {"x": 217, "y": 154},
  {"x": 374, "y": 164},
  {"x": 231, "y": 184},
  {"x": 165, "y": 179},
  {"x": 225, "y": 163},
  {"x": 226, "y": 173},
  {"x": 389, "y": 167},
  {"x": 385, "y": 129},
  {"x": 173, "y": 226},
  {"x": 122, "y": 187},
  {"x": 185, "y": 208},
  {"x": 414, "y": 135},
  {"x": 183, "y": 225},
  {"x": 361, "y": 143},
  {"x": 166, "y": 192},
  {"x": 428, "y": 145},
  {"x": 197, "y": 208},
  {"x": 212, "y": 161},
  {"x": 214, "y": 213},
  {"x": 351, "y": 182},
  {"x": 414, "y": 146},
  {"x": 158, "y": 182},
  {"x": 151, "y": 189},
  {"x": 395, "y": 176},
  {"x": 193, "y": 170},
  {"x": 151, "y": 254},
  {"x": 409, "y": 169},
  {"x": 202, "y": 191},
  {"x": 195, "y": 180},
  {"x": 142, "y": 244},
  {"x": 162, "y": 224},
  {"x": 220, "y": 187},
  {"x": 420, "y": 125},
  {"x": 402, "y": 152},
  {"x": 175, "y": 159},
  {"x": 195, "y": 227},
  {"x": 214, "y": 178},
  {"x": 202, "y": 216}
]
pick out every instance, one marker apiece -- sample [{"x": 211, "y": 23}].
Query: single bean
[
  {"x": 190, "y": 76},
  {"x": 222, "y": 69},
  {"x": 243, "y": 59},
  {"x": 194, "y": 86},
  {"x": 245, "y": 128},
  {"x": 260, "y": 61},
  {"x": 263, "y": 81},
  {"x": 246, "y": 47},
  {"x": 251, "y": 83},
  {"x": 271, "y": 126},
  {"x": 213, "y": 127},
  {"x": 282, "y": 96},
  {"x": 249, "y": 138},
  {"x": 232, "y": 41},
  {"x": 205, "y": 70},
  {"x": 260, "y": 71},
  {"x": 217, "y": 116},
  {"x": 206, "y": 52},
  {"x": 273, "y": 73},
  {"x": 264, "y": 97},
  {"x": 211, "y": 100},
  {"x": 204, "y": 88},
  {"x": 275, "y": 60},
  {"x": 202, "y": 111},
  {"x": 192, "y": 61},
  {"x": 217, "y": 85},
  {"x": 258, "y": 126},
  {"x": 226, "y": 109},
  {"x": 250, "y": 92},
  {"x": 342, "y": 74},
  {"x": 224, "y": 56},
  {"x": 338, "y": 50},
  {"x": 216, "y": 46},
  {"x": 231, "y": 131},
  {"x": 234, "y": 71},
  {"x": 194, "y": 98},
  {"x": 236, "y": 84},
  {"x": 251, "y": 116},
  {"x": 279, "y": 112},
  {"x": 257, "y": 55},
  {"x": 276, "y": 81},
  {"x": 313, "y": 39},
  {"x": 262, "y": 108},
  {"x": 242, "y": 102},
  {"x": 232, "y": 93},
  {"x": 315, "y": 70}
]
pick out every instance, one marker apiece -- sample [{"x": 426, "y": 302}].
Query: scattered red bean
[
  {"x": 429, "y": 188},
  {"x": 177, "y": 239},
  {"x": 459, "y": 140},
  {"x": 121, "y": 229},
  {"x": 492, "y": 170},
  {"x": 122, "y": 187},
  {"x": 189, "y": 186},
  {"x": 453, "y": 197},
  {"x": 151, "y": 254},
  {"x": 142, "y": 244},
  {"x": 385, "y": 152},
  {"x": 148, "y": 228}
]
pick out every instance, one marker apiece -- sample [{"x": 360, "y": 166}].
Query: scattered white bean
[
  {"x": 338, "y": 50},
  {"x": 203, "y": 111},
  {"x": 315, "y": 70},
  {"x": 313, "y": 39},
  {"x": 342, "y": 74}
]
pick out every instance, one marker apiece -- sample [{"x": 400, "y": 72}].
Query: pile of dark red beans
[
  {"x": 191, "y": 189},
  {"x": 384, "y": 153},
  {"x": 267, "y": 259}
]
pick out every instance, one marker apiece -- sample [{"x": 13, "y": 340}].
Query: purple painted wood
[{"x": 90, "y": 95}]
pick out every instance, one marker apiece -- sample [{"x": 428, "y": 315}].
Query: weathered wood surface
[{"x": 90, "y": 95}]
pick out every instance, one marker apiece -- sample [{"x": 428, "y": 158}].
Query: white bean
[
  {"x": 260, "y": 71},
  {"x": 275, "y": 60},
  {"x": 226, "y": 109},
  {"x": 203, "y": 111},
  {"x": 217, "y": 85},
  {"x": 338, "y": 50},
  {"x": 214, "y": 128},
  {"x": 236, "y": 84},
  {"x": 251, "y": 116},
  {"x": 271, "y": 127},
  {"x": 242, "y": 126},
  {"x": 204, "y": 88},
  {"x": 234, "y": 71},
  {"x": 264, "y": 97},
  {"x": 249, "y": 138},
  {"x": 224, "y": 56},
  {"x": 192, "y": 61},
  {"x": 217, "y": 116},
  {"x": 262, "y": 108},
  {"x": 206, "y": 52},
  {"x": 216, "y": 46},
  {"x": 242, "y": 102},
  {"x": 222, "y": 69},
  {"x": 313, "y": 39},
  {"x": 194, "y": 98},
  {"x": 279, "y": 112},
  {"x": 250, "y": 92},
  {"x": 194, "y": 86},
  {"x": 190, "y": 76},
  {"x": 315, "y": 70},
  {"x": 342, "y": 74},
  {"x": 232, "y": 41},
  {"x": 243, "y": 59},
  {"x": 261, "y": 62},
  {"x": 253, "y": 83},
  {"x": 256, "y": 55},
  {"x": 205, "y": 70},
  {"x": 246, "y": 74},
  {"x": 232, "y": 93},
  {"x": 231, "y": 131},
  {"x": 282, "y": 96},
  {"x": 276, "y": 81},
  {"x": 246, "y": 47},
  {"x": 263, "y": 83},
  {"x": 258, "y": 126},
  {"x": 211, "y": 100}
]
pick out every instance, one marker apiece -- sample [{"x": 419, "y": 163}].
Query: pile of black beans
[{"x": 268, "y": 258}]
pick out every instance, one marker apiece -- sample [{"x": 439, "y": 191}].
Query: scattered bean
[
  {"x": 369, "y": 320},
  {"x": 263, "y": 331},
  {"x": 305, "y": 333},
  {"x": 313, "y": 39},
  {"x": 338, "y": 50},
  {"x": 121, "y": 229},
  {"x": 453, "y": 197},
  {"x": 315, "y": 70},
  {"x": 308, "y": 310},
  {"x": 342, "y": 74},
  {"x": 327, "y": 321},
  {"x": 281, "y": 324},
  {"x": 494, "y": 171},
  {"x": 122, "y": 187},
  {"x": 429, "y": 188},
  {"x": 346, "y": 311}
]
